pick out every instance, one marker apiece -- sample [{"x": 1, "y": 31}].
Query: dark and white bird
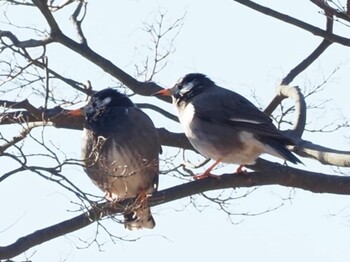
[
  {"x": 223, "y": 125},
  {"x": 121, "y": 150}
]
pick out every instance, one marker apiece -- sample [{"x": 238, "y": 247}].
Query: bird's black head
[
  {"x": 104, "y": 104},
  {"x": 109, "y": 98},
  {"x": 191, "y": 85}
]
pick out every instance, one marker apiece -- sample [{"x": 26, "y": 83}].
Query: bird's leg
[
  {"x": 108, "y": 196},
  {"x": 140, "y": 203},
  {"x": 208, "y": 173},
  {"x": 241, "y": 170}
]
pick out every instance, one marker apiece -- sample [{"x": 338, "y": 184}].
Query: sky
[{"x": 241, "y": 50}]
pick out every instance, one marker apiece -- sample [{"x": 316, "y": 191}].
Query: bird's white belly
[
  {"x": 248, "y": 153},
  {"x": 245, "y": 152},
  {"x": 129, "y": 180},
  {"x": 119, "y": 172}
]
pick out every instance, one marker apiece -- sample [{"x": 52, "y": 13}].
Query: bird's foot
[
  {"x": 241, "y": 170},
  {"x": 109, "y": 197},
  {"x": 208, "y": 173},
  {"x": 205, "y": 175}
]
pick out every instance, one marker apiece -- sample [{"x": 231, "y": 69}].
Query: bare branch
[
  {"x": 44, "y": 9},
  {"x": 331, "y": 11},
  {"x": 323, "y": 154},
  {"x": 21, "y": 105},
  {"x": 306, "y": 62},
  {"x": 141, "y": 88},
  {"x": 16, "y": 139},
  {"x": 278, "y": 175},
  {"x": 159, "y": 34},
  {"x": 298, "y": 23},
  {"x": 77, "y": 22},
  {"x": 159, "y": 110},
  {"x": 168, "y": 138},
  {"x": 312, "y": 57},
  {"x": 25, "y": 43},
  {"x": 295, "y": 94}
]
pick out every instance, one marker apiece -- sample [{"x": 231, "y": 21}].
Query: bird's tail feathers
[
  {"x": 139, "y": 219},
  {"x": 281, "y": 150}
]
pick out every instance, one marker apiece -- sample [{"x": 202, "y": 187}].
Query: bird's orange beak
[
  {"x": 76, "y": 112},
  {"x": 163, "y": 92}
]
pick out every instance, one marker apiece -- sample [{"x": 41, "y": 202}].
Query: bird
[
  {"x": 223, "y": 125},
  {"x": 120, "y": 152}
]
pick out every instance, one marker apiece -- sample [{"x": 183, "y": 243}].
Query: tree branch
[
  {"x": 298, "y": 23},
  {"x": 279, "y": 175},
  {"x": 306, "y": 62},
  {"x": 42, "y": 5},
  {"x": 295, "y": 94},
  {"x": 323, "y": 154},
  {"x": 158, "y": 110},
  {"x": 140, "y": 88},
  {"x": 26, "y": 43},
  {"x": 77, "y": 22},
  {"x": 59, "y": 118},
  {"x": 324, "y": 5},
  {"x": 312, "y": 57}
]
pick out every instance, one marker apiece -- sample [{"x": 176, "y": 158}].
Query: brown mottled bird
[
  {"x": 121, "y": 150},
  {"x": 223, "y": 125}
]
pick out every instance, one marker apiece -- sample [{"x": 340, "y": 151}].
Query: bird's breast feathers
[{"x": 186, "y": 117}]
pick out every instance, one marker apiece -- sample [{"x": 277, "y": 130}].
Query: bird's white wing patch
[{"x": 235, "y": 119}]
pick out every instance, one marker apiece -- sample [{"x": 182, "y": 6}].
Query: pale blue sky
[{"x": 239, "y": 49}]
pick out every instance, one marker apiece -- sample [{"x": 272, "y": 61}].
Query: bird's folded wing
[{"x": 231, "y": 109}]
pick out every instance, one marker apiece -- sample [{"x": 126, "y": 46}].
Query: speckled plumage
[{"x": 121, "y": 151}]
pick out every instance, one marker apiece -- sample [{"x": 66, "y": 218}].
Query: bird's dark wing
[{"x": 224, "y": 107}]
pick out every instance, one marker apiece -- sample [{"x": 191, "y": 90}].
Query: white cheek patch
[
  {"x": 187, "y": 87},
  {"x": 105, "y": 101},
  {"x": 102, "y": 103}
]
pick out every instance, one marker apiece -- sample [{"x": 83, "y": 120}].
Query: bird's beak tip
[{"x": 163, "y": 92}]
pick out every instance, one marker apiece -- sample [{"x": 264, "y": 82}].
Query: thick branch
[
  {"x": 42, "y": 5},
  {"x": 179, "y": 140},
  {"x": 140, "y": 88},
  {"x": 295, "y": 94},
  {"x": 26, "y": 43},
  {"x": 280, "y": 175},
  {"x": 323, "y": 154},
  {"x": 298, "y": 23},
  {"x": 24, "y": 104},
  {"x": 58, "y": 117}
]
